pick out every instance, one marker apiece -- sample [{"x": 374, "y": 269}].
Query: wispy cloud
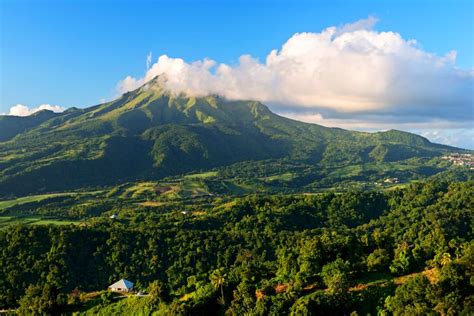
[
  {"x": 363, "y": 24},
  {"x": 148, "y": 60}
]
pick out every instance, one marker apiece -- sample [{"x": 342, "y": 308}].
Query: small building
[
  {"x": 122, "y": 286},
  {"x": 391, "y": 180},
  {"x": 114, "y": 216}
]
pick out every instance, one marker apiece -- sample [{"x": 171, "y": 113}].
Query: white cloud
[
  {"x": 348, "y": 75},
  {"x": 19, "y": 110},
  {"x": 346, "y": 69},
  {"x": 22, "y": 110}
]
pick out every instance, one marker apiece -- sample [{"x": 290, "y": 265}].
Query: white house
[{"x": 121, "y": 286}]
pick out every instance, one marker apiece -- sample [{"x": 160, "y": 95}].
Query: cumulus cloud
[
  {"x": 23, "y": 110},
  {"x": 351, "y": 72}
]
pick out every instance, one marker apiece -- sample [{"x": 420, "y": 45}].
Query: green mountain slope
[
  {"x": 10, "y": 126},
  {"x": 150, "y": 133}
]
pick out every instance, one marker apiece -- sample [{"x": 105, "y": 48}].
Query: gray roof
[{"x": 122, "y": 284}]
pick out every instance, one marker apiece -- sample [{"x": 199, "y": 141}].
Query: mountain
[
  {"x": 151, "y": 133},
  {"x": 10, "y": 126}
]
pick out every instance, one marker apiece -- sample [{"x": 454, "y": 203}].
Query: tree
[
  {"x": 411, "y": 298},
  {"x": 218, "y": 281},
  {"x": 401, "y": 262},
  {"x": 244, "y": 299},
  {"x": 158, "y": 292},
  {"x": 334, "y": 275},
  {"x": 378, "y": 260},
  {"x": 106, "y": 297},
  {"x": 41, "y": 300},
  {"x": 443, "y": 259}
]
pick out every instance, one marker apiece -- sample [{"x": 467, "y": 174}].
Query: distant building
[
  {"x": 122, "y": 286},
  {"x": 184, "y": 212},
  {"x": 114, "y": 216},
  {"x": 391, "y": 180}
]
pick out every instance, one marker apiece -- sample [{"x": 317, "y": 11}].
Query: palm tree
[
  {"x": 445, "y": 259},
  {"x": 218, "y": 280}
]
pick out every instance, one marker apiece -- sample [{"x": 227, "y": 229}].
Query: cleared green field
[
  {"x": 287, "y": 176},
  {"x": 194, "y": 188},
  {"x": 188, "y": 188},
  {"x": 203, "y": 175},
  {"x": 139, "y": 190},
  {"x": 6, "y": 221},
  {"x": 241, "y": 188},
  {"x": 37, "y": 198},
  {"x": 31, "y": 198}
]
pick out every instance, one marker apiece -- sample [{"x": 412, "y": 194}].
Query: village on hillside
[{"x": 460, "y": 159}]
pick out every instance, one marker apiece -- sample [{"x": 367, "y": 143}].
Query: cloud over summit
[
  {"x": 347, "y": 69},
  {"x": 350, "y": 76}
]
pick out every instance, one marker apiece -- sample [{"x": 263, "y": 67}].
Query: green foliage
[
  {"x": 218, "y": 280},
  {"x": 335, "y": 277},
  {"x": 157, "y": 292},
  {"x": 122, "y": 306},
  {"x": 212, "y": 216},
  {"x": 401, "y": 263},
  {"x": 328, "y": 253},
  {"x": 412, "y": 298},
  {"x": 106, "y": 298},
  {"x": 42, "y": 300},
  {"x": 10, "y": 126},
  {"x": 149, "y": 134},
  {"x": 378, "y": 260}
]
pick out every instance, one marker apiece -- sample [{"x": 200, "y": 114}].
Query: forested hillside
[
  {"x": 223, "y": 207},
  {"x": 400, "y": 251},
  {"x": 151, "y": 133}
]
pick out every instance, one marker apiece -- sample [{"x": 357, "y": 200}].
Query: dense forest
[{"x": 403, "y": 251}]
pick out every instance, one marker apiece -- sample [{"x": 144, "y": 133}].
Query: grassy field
[
  {"x": 31, "y": 198},
  {"x": 203, "y": 175},
  {"x": 37, "y": 198},
  {"x": 286, "y": 177},
  {"x": 238, "y": 188},
  {"x": 139, "y": 190},
  {"x": 186, "y": 188},
  {"x": 6, "y": 221}
]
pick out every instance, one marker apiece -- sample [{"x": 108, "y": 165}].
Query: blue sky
[{"x": 74, "y": 53}]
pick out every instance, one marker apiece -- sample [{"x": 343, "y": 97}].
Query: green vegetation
[
  {"x": 149, "y": 134},
  {"x": 203, "y": 175},
  {"x": 10, "y": 126},
  {"x": 29, "y": 199},
  {"x": 6, "y": 221},
  {"x": 400, "y": 251},
  {"x": 220, "y": 207}
]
